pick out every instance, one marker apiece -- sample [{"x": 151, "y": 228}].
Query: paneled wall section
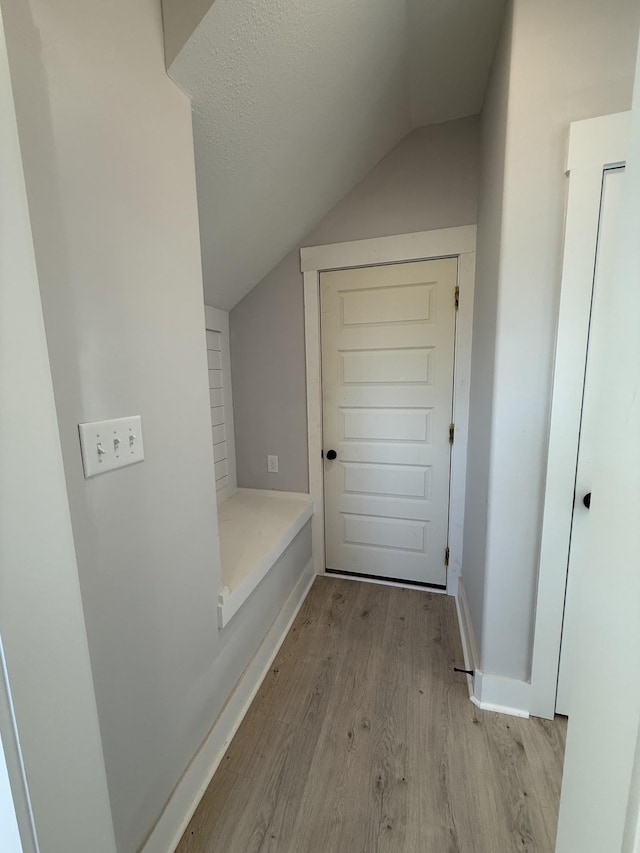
[{"x": 220, "y": 398}]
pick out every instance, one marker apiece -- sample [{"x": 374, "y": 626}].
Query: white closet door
[
  {"x": 612, "y": 192},
  {"x": 387, "y": 373}
]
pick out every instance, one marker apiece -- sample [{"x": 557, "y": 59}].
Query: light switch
[
  {"x": 272, "y": 464},
  {"x": 110, "y": 444}
]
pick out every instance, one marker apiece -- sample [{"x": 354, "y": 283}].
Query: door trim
[
  {"x": 422, "y": 246},
  {"x": 595, "y": 145}
]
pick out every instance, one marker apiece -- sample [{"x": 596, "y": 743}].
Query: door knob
[
  {"x": 331, "y": 454},
  {"x": 586, "y": 500}
]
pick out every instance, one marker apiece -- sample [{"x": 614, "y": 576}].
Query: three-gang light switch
[{"x": 111, "y": 444}]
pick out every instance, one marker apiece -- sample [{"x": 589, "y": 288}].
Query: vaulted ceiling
[{"x": 294, "y": 101}]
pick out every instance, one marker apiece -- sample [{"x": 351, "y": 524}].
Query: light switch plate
[
  {"x": 111, "y": 444},
  {"x": 272, "y": 464}
]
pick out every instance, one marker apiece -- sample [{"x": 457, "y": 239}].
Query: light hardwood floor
[{"x": 362, "y": 739}]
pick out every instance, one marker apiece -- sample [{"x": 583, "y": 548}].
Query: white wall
[
  {"x": 603, "y": 726},
  {"x": 180, "y": 18},
  {"x": 48, "y": 718},
  {"x": 108, "y": 154},
  {"x": 450, "y": 48},
  {"x": 566, "y": 63},
  {"x": 430, "y": 180},
  {"x": 492, "y": 165}
]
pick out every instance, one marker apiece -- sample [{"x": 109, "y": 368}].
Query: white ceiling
[{"x": 294, "y": 101}]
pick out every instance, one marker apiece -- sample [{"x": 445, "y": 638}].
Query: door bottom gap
[{"x": 428, "y": 587}]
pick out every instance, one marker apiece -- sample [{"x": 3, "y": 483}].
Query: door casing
[{"x": 422, "y": 246}]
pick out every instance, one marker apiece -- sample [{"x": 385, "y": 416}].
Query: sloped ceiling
[{"x": 294, "y": 101}]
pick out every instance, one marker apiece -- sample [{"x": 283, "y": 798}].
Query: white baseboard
[
  {"x": 467, "y": 635},
  {"x": 504, "y": 695},
  {"x": 488, "y": 692},
  {"x": 188, "y": 792}
]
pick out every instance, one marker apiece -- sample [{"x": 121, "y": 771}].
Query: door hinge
[
  {"x": 457, "y": 297},
  {"x": 446, "y": 556},
  {"x": 452, "y": 429}
]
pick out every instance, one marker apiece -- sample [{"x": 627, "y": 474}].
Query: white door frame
[
  {"x": 421, "y": 246},
  {"x": 594, "y": 145}
]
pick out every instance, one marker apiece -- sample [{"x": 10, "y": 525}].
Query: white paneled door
[{"x": 387, "y": 377}]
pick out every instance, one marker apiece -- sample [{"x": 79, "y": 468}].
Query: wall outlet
[{"x": 272, "y": 464}]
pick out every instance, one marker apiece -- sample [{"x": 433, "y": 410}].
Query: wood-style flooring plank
[
  {"x": 314, "y": 648},
  {"x": 344, "y": 751},
  {"x": 362, "y": 739},
  {"x": 324, "y": 679},
  {"x": 212, "y": 814}
]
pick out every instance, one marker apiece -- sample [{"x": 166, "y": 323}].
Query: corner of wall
[
  {"x": 180, "y": 19},
  {"x": 490, "y": 224},
  {"x": 489, "y": 692}
]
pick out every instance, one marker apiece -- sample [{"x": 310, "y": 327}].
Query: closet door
[{"x": 612, "y": 191}]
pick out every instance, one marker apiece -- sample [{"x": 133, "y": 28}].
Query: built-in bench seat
[{"x": 256, "y": 527}]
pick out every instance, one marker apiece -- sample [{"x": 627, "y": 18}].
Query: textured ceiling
[{"x": 294, "y": 101}]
